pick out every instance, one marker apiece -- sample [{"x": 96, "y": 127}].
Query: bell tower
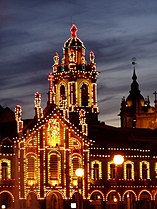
[{"x": 74, "y": 81}]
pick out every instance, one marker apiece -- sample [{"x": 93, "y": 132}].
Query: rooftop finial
[
  {"x": 134, "y": 61},
  {"x": 74, "y": 31},
  {"x": 134, "y": 77}
]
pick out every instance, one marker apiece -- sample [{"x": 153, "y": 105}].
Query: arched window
[
  {"x": 54, "y": 169},
  {"x": 128, "y": 171},
  {"x": 5, "y": 169},
  {"x": 96, "y": 168},
  {"x": 96, "y": 171},
  {"x": 75, "y": 164},
  {"x": 112, "y": 171},
  {"x": 144, "y": 170},
  {"x": 84, "y": 95},
  {"x": 62, "y": 91},
  {"x": 32, "y": 171}
]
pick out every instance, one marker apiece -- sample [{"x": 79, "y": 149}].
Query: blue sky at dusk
[{"x": 32, "y": 31}]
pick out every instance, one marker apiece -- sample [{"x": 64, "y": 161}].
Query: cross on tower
[
  {"x": 51, "y": 79},
  {"x": 155, "y": 93}
]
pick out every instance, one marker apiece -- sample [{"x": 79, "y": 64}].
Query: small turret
[
  {"x": 38, "y": 109},
  {"x": 18, "y": 112}
]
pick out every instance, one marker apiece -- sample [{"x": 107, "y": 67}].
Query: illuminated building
[{"x": 39, "y": 157}]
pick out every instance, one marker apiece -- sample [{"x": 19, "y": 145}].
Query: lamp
[
  {"x": 118, "y": 160},
  {"x": 79, "y": 173}
]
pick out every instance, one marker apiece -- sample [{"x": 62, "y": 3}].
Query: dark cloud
[{"x": 32, "y": 31}]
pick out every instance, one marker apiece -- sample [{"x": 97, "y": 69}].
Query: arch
[
  {"x": 6, "y": 145},
  {"x": 131, "y": 191},
  {"x": 129, "y": 199},
  {"x": 32, "y": 200},
  {"x": 8, "y": 193},
  {"x": 114, "y": 192},
  {"x": 74, "y": 143},
  {"x": 78, "y": 199},
  {"x": 144, "y": 191},
  {"x": 54, "y": 200},
  {"x": 97, "y": 191},
  {"x": 7, "y": 199},
  {"x": 155, "y": 195}
]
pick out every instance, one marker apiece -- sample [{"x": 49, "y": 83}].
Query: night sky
[{"x": 32, "y": 31}]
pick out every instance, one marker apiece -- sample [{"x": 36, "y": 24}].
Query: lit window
[
  {"x": 128, "y": 171},
  {"x": 96, "y": 170},
  {"x": 54, "y": 168},
  {"x": 112, "y": 171},
  {"x": 32, "y": 169},
  {"x": 144, "y": 170},
  {"x": 5, "y": 168}
]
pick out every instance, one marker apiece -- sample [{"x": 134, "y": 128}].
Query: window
[
  {"x": 5, "y": 169},
  {"x": 72, "y": 94},
  {"x": 112, "y": 171},
  {"x": 144, "y": 170},
  {"x": 32, "y": 169},
  {"x": 84, "y": 95},
  {"x": 75, "y": 164},
  {"x": 54, "y": 168},
  {"x": 128, "y": 171},
  {"x": 62, "y": 91},
  {"x": 96, "y": 171}
]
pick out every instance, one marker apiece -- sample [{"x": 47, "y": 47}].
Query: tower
[
  {"x": 136, "y": 111},
  {"x": 74, "y": 88}
]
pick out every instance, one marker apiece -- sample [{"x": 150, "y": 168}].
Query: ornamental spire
[{"x": 73, "y": 31}]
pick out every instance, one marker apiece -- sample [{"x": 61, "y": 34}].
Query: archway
[
  {"x": 77, "y": 198},
  {"x": 6, "y": 200},
  {"x": 129, "y": 200},
  {"x": 113, "y": 199},
  {"x": 145, "y": 200},
  {"x": 96, "y": 200},
  {"x": 32, "y": 201},
  {"x": 54, "y": 200}
]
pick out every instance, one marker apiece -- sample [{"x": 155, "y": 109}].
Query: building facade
[{"x": 39, "y": 157}]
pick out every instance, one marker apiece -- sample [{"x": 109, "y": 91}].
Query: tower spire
[{"x": 73, "y": 31}]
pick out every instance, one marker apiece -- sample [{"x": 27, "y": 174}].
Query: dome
[
  {"x": 73, "y": 41},
  {"x": 135, "y": 99}
]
